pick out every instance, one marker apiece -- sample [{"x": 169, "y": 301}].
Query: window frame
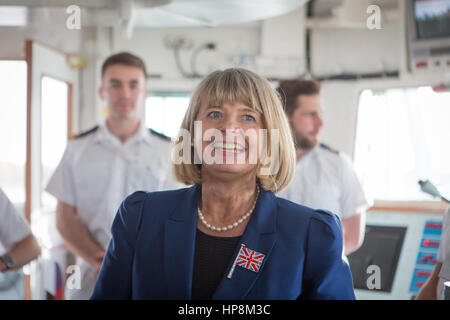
[{"x": 423, "y": 206}]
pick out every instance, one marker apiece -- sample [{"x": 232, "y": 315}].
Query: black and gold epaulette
[
  {"x": 324, "y": 146},
  {"x": 160, "y": 135},
  {"x": 84, "y": 134}
]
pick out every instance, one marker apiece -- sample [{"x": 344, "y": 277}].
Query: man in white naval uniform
[
  {"x": 324, "y": 178},
  {"x": 17, "y": 243},
  {"x": 102, "y": 166}
]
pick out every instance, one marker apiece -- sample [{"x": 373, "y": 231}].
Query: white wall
[
  {"x": 356, "y": 50},
  {"x": 274, "y": 48},
  {"x": 12, "y": 40},
  {"x": 47, "y": 26},
  {"x": 149, "y": 45}
]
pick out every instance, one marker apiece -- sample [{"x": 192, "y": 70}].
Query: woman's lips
[{"x": 228, "y": 147}]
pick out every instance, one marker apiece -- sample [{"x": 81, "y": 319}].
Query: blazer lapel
[
  {"x": 259, "y": 236},
  {"x": 179, "y": 246}
]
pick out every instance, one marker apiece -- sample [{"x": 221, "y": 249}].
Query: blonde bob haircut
[{"x": 240, "y": 85}]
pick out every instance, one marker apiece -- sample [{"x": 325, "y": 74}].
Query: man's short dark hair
[
  {"x": 289, "y": 90},
  {"x": 126, "y": 59}
]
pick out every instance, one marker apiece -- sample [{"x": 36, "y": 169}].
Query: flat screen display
[
  {"x": 432, "y": 18},
  {"x": 381, "y": 248}
]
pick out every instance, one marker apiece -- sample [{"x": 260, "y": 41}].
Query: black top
[{"x": 211, "y": 259}]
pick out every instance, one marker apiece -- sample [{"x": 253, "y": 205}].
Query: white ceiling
[{"x": 168, "y": 13}]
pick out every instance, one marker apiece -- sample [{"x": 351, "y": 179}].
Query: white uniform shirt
[
  {"x": 444, "y": 255},
  {"x": 325, "y": 179},
  {"x": 13, "y": 227},
  {"x": 97, "y": 172}
]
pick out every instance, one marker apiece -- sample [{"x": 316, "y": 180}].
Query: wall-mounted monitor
[
  {"x": 381, "y": 248},
  {"x": 428, "y": 34},
  {"x": 432, "y": 18}
]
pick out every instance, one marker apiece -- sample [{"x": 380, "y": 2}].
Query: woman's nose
[{"x": 230, "y": 124}]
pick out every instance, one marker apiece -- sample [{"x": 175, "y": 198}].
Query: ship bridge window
[
  {"x": 403, "y": 136},
  {"x": 13, "y": 130},
  {"x": 54, "y": 105},
  {"x": 164, "y": 111}
]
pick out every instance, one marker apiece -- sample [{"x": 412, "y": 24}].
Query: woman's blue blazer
[{"x": 151, "y": 253}]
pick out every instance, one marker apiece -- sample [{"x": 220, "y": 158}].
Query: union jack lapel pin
[{"x": 248, "y": 259}]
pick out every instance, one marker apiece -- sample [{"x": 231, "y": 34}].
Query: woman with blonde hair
[{"x": 227, "y": 236}]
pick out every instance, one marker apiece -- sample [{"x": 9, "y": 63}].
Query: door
[{"x": 52, "y": 108}]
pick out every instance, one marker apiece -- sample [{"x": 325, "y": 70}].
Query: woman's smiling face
[{"x": 230, "y": 137}]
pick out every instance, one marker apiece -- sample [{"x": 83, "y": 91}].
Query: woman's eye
[
  {"x": 249, "y": 118},
  {"x": 214, "y": 115}
]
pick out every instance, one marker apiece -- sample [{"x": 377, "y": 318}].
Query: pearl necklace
[{"x": 230, "y": 226}]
